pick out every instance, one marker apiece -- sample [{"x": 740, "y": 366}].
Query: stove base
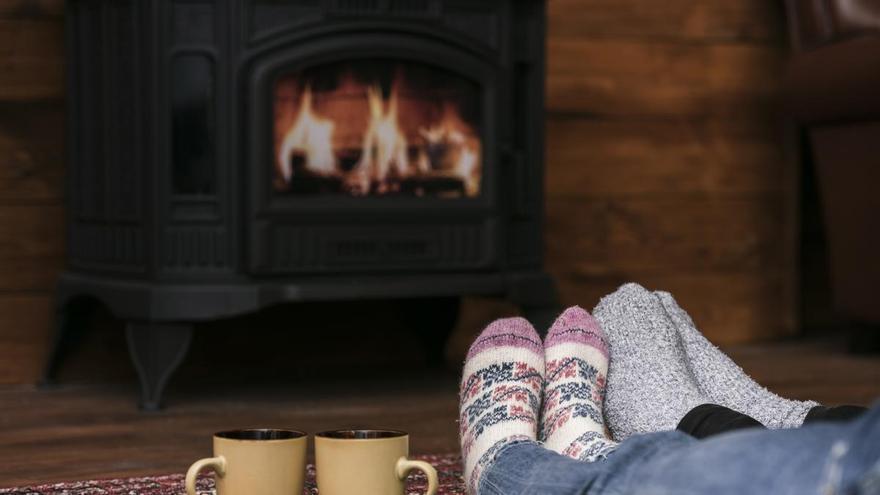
[{"x": 160, "y": 316}]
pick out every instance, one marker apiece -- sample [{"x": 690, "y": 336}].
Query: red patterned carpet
[{"x": 448, "y": 466}]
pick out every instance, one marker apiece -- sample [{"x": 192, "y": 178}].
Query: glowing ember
[{"x": 352, "y": 139}]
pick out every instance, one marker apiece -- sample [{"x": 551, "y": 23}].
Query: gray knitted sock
[
  {"x": 725, "y": 382},
  {"x": 650, "y": 387}
]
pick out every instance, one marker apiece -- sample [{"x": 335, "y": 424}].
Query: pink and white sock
[
  {"x": 500, "y": 393},
  {"x": 576, "y": 355}
]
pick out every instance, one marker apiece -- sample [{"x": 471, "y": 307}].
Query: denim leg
[
  {"x": 821, "y": 459},
  {"x": 860, "y": 462},
  {"x": 527, "y": 468},
  {"x": 870, "y": 483}
]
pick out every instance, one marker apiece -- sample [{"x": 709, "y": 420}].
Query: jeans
[{"x": 819, "y": 458}]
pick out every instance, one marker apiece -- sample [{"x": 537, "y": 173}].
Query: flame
[
  {"x": 310, "y": 135},
  {"x": 453, "y": 151},
  {"x": 384, "y": 144},
  {"x": 466, "y": 165}
]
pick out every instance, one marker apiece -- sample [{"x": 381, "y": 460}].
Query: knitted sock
[
  {"x": 650, "y": 387},
  {"x": 725, "y": 382},
  {"x": 500, "y": 393},
  {"x": 576, "y": 356}
]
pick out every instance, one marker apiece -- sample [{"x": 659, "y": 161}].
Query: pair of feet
[
  {"x": 662, "y": 367},
  {"x": 517, "y": 388}
]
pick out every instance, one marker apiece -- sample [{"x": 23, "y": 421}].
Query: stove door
[{"x": 372, "y": 153}]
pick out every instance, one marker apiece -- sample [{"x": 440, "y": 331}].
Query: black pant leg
[
  {"x": 711, "y": 419},
  {"x": 836, "y": 413}
]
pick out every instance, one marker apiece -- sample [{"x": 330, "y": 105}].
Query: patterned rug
[{"x": 448, "y": 467}]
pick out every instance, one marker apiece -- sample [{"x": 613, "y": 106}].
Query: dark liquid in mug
[
  {"x": 361, "y": 434},
  {"x": 260, "y": 434}
]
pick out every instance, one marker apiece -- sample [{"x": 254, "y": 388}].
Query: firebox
[
  {"x": 377, "y": 127},
  {"x": 226, "y": 155}
]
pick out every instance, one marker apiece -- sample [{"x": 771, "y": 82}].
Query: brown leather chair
[{"x": 832, "y": 92}]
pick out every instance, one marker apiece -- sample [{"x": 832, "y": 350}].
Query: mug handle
[
  {"x": 218, "y": 464},
  {"x": 404, "y": 466}
]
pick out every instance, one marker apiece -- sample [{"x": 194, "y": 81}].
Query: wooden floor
[{"x": 94, "y": 431}]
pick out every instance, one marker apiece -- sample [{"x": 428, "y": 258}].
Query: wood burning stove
[{"x": 228, "y": 155}]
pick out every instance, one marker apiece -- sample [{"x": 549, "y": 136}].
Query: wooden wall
[
  {"x": 31, "y": 177},
  {"x": 665, "y": 160},
  {"x": 664, "y": 164}
]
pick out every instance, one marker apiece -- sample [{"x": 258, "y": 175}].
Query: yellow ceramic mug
[
  {"x": 366, "y": 462},
  {"x": 255, "y": 462}
]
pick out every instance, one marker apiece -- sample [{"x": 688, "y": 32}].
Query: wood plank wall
[
  {"x": 664, "y": 159},
  {"x": 663, "y": 163},
  {"x": 31, "y": 178}
]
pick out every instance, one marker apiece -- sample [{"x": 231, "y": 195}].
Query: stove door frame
[{"x": 265, "y": 210}]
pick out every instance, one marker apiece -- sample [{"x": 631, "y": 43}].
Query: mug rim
[
  {"x": 383, "y": 434},
  {"x": 240, "y": 434}
]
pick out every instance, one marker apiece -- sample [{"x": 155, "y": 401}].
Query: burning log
[{"x": 433, "y": 185}]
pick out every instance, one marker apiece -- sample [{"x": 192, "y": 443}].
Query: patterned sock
[
  {"x": 650, "y": 384},
  {"x": 576, "y": 356},
  {"x": 500, "y": 393},
  {"x": 725, "y": 382}
]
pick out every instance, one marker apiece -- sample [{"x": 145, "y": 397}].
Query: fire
[
  {"x": 384, "y": 145},
  {"x": 354, "y": 140},
  {"x": 310, "y": 137},
  {"x": 384, "y": 148},
  {"x": 451, "y": 148}
]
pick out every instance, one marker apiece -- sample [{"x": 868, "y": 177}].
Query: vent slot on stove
[
  {"x": 389, "y": 251},
  {"x": 359, "y": 6},
  {"x": 400, "y": 7},
  {"x": 303, "y": 249}
]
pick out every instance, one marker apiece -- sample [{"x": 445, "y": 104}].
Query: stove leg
[
  {"x": 156, "y": 350},
  {"x": 71, "y": 320}
]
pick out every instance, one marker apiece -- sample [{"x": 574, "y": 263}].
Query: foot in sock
[
  {"x": 501, "y": 391},
  {"x": 650, "y": 386},
  {"x": 726, "y": 383},
  {"x": 576, "y": 356}
]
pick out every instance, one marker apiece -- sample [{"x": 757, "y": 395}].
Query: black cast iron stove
[{"x": 227, "y": 155}]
